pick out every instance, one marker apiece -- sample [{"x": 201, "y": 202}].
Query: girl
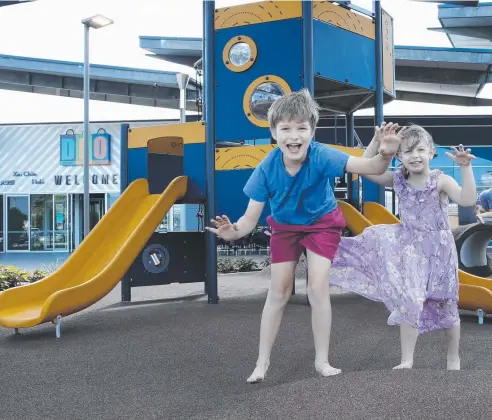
[{"x": 412, "y": 267}]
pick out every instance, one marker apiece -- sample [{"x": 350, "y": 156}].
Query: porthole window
[
  {"x": 263, "y": 97},
  {"x": 239, "y": 53},
  {"x": 260, "y": 96}
]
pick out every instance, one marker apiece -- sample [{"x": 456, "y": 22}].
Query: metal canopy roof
[
  {"x": 12, "y": 2},
  {"x": 466, "y": 3},
  {"x": 434, "y": 75},
  {"x": 423, "y": 74},
  {"x": 177, "y": 50},
  {"x": 108, "y": 83},
  {"x": 466, "y": 27},
  {"x": 444, "y": 71}
]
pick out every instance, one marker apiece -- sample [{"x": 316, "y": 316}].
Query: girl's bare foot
[
  {"x": 405, "y": 365},
  {"x": 324, "y": 369},
  {"x": 259, "y": 373},
  {"x": 454, "y": 364}
]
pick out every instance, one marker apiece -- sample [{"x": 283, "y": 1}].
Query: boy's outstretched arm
[
  {"x": 376, "y": 165},
  {"x": 246, "y": 223}
]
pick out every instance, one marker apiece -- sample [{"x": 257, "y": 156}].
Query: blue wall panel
[
  {"x": 194, "y": 168},
  {"x": 279, "y": 47},
  {"x": 231, "y": 199},
  {"x": 137, "y": 164},
  {"x": 344, "y": 56}
]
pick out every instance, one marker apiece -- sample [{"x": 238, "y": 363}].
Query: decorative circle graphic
[{"x": 155, "y": 258}]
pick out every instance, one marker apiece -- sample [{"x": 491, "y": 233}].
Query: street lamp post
[{"x": 94, "y": 22}]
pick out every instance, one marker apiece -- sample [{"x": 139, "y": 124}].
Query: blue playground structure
[{"x": 254, "y": 53}]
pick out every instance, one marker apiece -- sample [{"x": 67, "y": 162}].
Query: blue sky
[{"x": 52, "y": 29}]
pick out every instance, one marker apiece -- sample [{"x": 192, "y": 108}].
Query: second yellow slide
[{"x": 475, "y": 293}]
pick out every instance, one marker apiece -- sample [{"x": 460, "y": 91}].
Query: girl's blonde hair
[{"x": 411, "y": 138}]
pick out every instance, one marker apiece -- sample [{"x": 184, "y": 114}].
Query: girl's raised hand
[
  {"x": 461, "y": 157},
  {"x": 390, "y": 139},
  {"x": 379, "y": 132},
  {"x": 223, "y": 228}
]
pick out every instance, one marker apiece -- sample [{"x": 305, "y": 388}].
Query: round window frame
[
  {"x": 251, "y": 88},
  {"x": 227, "y": 49}
]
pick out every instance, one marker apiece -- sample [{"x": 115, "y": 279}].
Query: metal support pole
[
  {"x": 209, "y": 107},
  {"x": 379, "y": 112},
  {"x": 350, "y": 130},
  {"x": 379, "y": 63},
  {"x": 308, "y": 65},
  {"x": 372, "y": 191},
  {"x": 350, "y": 127},
  {"x": 126, "y": 288},
  {"x": 182, "y": 79},
  {"x": 308, "y": 45},
  {"x": 86, "y": 131}
]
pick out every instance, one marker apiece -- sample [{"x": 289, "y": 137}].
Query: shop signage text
[
  {"x": 17, "y": 174},
  {"x": 78, "y": 180}
]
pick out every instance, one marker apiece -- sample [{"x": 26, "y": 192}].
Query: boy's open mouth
[{"x": 294, "y": 147}]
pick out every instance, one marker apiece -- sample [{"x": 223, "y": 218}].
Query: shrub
[
  {"x": 13, "y": 277},
  {"x": 245, "y": 264},
  {"x": 37, "y": 275},
  {"x": 230, "y": 265},
  {"x": 225, "y": 265},
  {"x": 266, "y": 262}
]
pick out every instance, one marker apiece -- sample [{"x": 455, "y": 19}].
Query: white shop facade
[{"x": 41, "y": 183}]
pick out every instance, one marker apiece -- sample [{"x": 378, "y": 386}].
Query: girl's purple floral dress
[{"x": 411, "y": 267}]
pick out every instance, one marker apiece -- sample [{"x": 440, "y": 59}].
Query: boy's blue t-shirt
[{"x": 303, "y": 198}]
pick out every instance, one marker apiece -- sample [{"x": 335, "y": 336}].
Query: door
[
  {"x": 2, "y": 240},
  {"x": 96, "y": 209},
  {"x": 61, "y": 222},
  {"x": 18, "y": 223}
]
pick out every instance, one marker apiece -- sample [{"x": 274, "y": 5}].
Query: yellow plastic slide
[
  {"x": 98, "y": 264},
  {"x": 475, "y": 292}
]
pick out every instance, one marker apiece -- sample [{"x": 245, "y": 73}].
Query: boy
[{"x": 295, "y": 177}]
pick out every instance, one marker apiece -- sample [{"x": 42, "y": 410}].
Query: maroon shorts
[{"x": 322, "y": 237}]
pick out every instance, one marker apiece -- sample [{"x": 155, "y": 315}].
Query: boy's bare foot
[
  {"x": 405, "y": 365},
  {"x": 324, "y": 369},
  {"x": 259, "y": 373},
  {"x": 454, "y": 364}
]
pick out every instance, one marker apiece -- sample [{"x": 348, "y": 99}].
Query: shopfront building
[{"x": 41, "y": 183}]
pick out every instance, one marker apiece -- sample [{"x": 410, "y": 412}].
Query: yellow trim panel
[
  {"x": 191, "y": 132},
  {"x": 98, "y": 264},
  {"x": 244, "y": 157},
  {"x": 248, "y": 157},
  {"x": 388, "y": 53},
  {"x": 259, "y": 12},
  {"x": 343, "y": 18}
]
